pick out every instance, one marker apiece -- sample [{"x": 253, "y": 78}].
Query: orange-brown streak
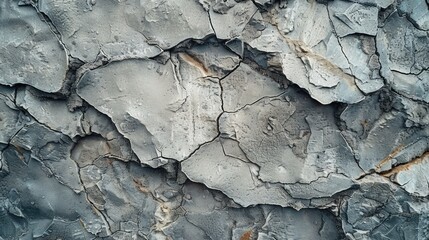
[
  {"x": 247, "y": 235},
  {"x": 405, "y": 166},
  {"x": 194, "y": 62},
  {"x": 389, "y": 157}
]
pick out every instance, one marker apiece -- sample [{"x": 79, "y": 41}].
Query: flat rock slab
[
  {"x": 214, "y": 119},
  {"x": 30, "y": 53},
  {"x": 169, "y": 123}
]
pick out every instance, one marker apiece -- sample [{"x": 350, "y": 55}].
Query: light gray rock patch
[{"x": 30, "y": 53}]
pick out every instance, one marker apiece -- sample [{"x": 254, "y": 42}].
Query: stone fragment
[
  {"x": 10, "y": 117},
  {"x": 284, "y": 154},
  {"x": 128, "y": 92},
  {"x": 412, "y": 86},
  {"x": 52, "y": 113},
  {"x": 52, "y": 149},
  {"x": 350, "y": 18},
  {"x": 245, "y": 86},
  {"x": 211, "y": 58},
  {"x": 129, "y": 202},
  {"x": 231, "y": 176},
  {"x": 364, "y": 64},
  {"x": 328, "y": 152},
  {"x": 416, "y": 112},
  {"x": 404, "y": 54},
  {"x": 259, "y": 129},
  {"x": 253, "y": 28},
  {"x": 99, "y": 124},
  {"x": 105, "y": 27},
  {"x": 89, "y": 149},
  {"x": 236, "y": 45},
  {"x": 361, "y": 117},
  {"x": 294, "y": 69},
  {"x": 286, "y": 223},
  {"x": 230, "y": 23},
  {"x": 322, "y": 187},
  {"x": 417, "y": 12},
  {"x": 378, "y": 3},
  {"x": 400, "y": 144},
  {"x": 74, "y": 228},
  {"x": 43, "y": 201},
  {"x": 159, "y": 21},
  {"x": 378, "y": 208},
  {"x": 231, "y": 148},
  {"x": 30, "y": 53},
  {"x": 242, "y": 223},
  {"x": 199, "y": 199},
  {"x": 309, "y": 54},
  {"x": 182, "y": 229},
  {"x": 411, "y": 176}
]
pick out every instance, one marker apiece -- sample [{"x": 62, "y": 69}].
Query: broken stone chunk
[
  {"x": 411, "y": 176},
  {"x": 128, "y": 92},
  {"x": 414, "y": 86},
  {"x": 404, "y": 59},
  {"x": 183, "y": 229},
  {"x": 43, "y": 200},
  {"x": 53, "y": 113},
  {"x": 294, "y": 69},
  {"x": 52, "y": 149},
  {"x": 360, "y": 117},
  {"x": 245, "y": 86},
  {"x": 231, "y": 176},
  {"x": 108, "y": 28},
  {"x": 350, "y": 18},
  {"x": 211, "y": 58},
  {"x": 30, "y": 53},
  {"x": 262, "y": 123},
  {"x": 10, "y": 119},
  {"x": 378, "y": 3},
  {"x": 275, "y": 148},
  {"x": 377, "y": 208},
  {"x": 97, "y": 123},
  {"x": 418, "y": 13},
  {"x": 325, "y": 187},
  {"x": 400, "y": 140},
  {"x": 306, "y": 61},
  {"x": 363, "y": 60},
  {"x": 313, "y": 224},
  {"x": 230, "y": 23},
  {"x": 159, "y": 22}
]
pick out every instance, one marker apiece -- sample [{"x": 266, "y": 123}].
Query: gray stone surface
[
  {"x": 214, "y": 119},
  {"x": 53, "y": 113},
  {"x": 92, "y": 28},
  {"x": 30, "y": 53},
  {"x": 404, "y": 57},
  {"x": 157, "y": 123}
]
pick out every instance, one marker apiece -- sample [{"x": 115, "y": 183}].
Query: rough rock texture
[{"x": 214, "y": 119}]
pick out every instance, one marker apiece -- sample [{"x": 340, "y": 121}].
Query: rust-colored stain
[
  {"x": 389, "y": 157},
  {"x": 140, "y": 186},
  {"x": 20, "y": 152},
  {"x": 247, "y": 235},
  {"x": 109, "y": 161},
  {"x": 195, "y": 62},
  {"x": 406, "y": 166},
  {"x": 304, "y": 52}
]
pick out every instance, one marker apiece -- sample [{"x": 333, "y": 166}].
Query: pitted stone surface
[{"x": 213, "y": 119}]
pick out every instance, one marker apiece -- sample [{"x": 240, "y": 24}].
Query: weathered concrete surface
[{"x": 209, "y": 119}]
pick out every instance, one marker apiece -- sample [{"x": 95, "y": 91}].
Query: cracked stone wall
[{"x": 214, "y": 119}]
